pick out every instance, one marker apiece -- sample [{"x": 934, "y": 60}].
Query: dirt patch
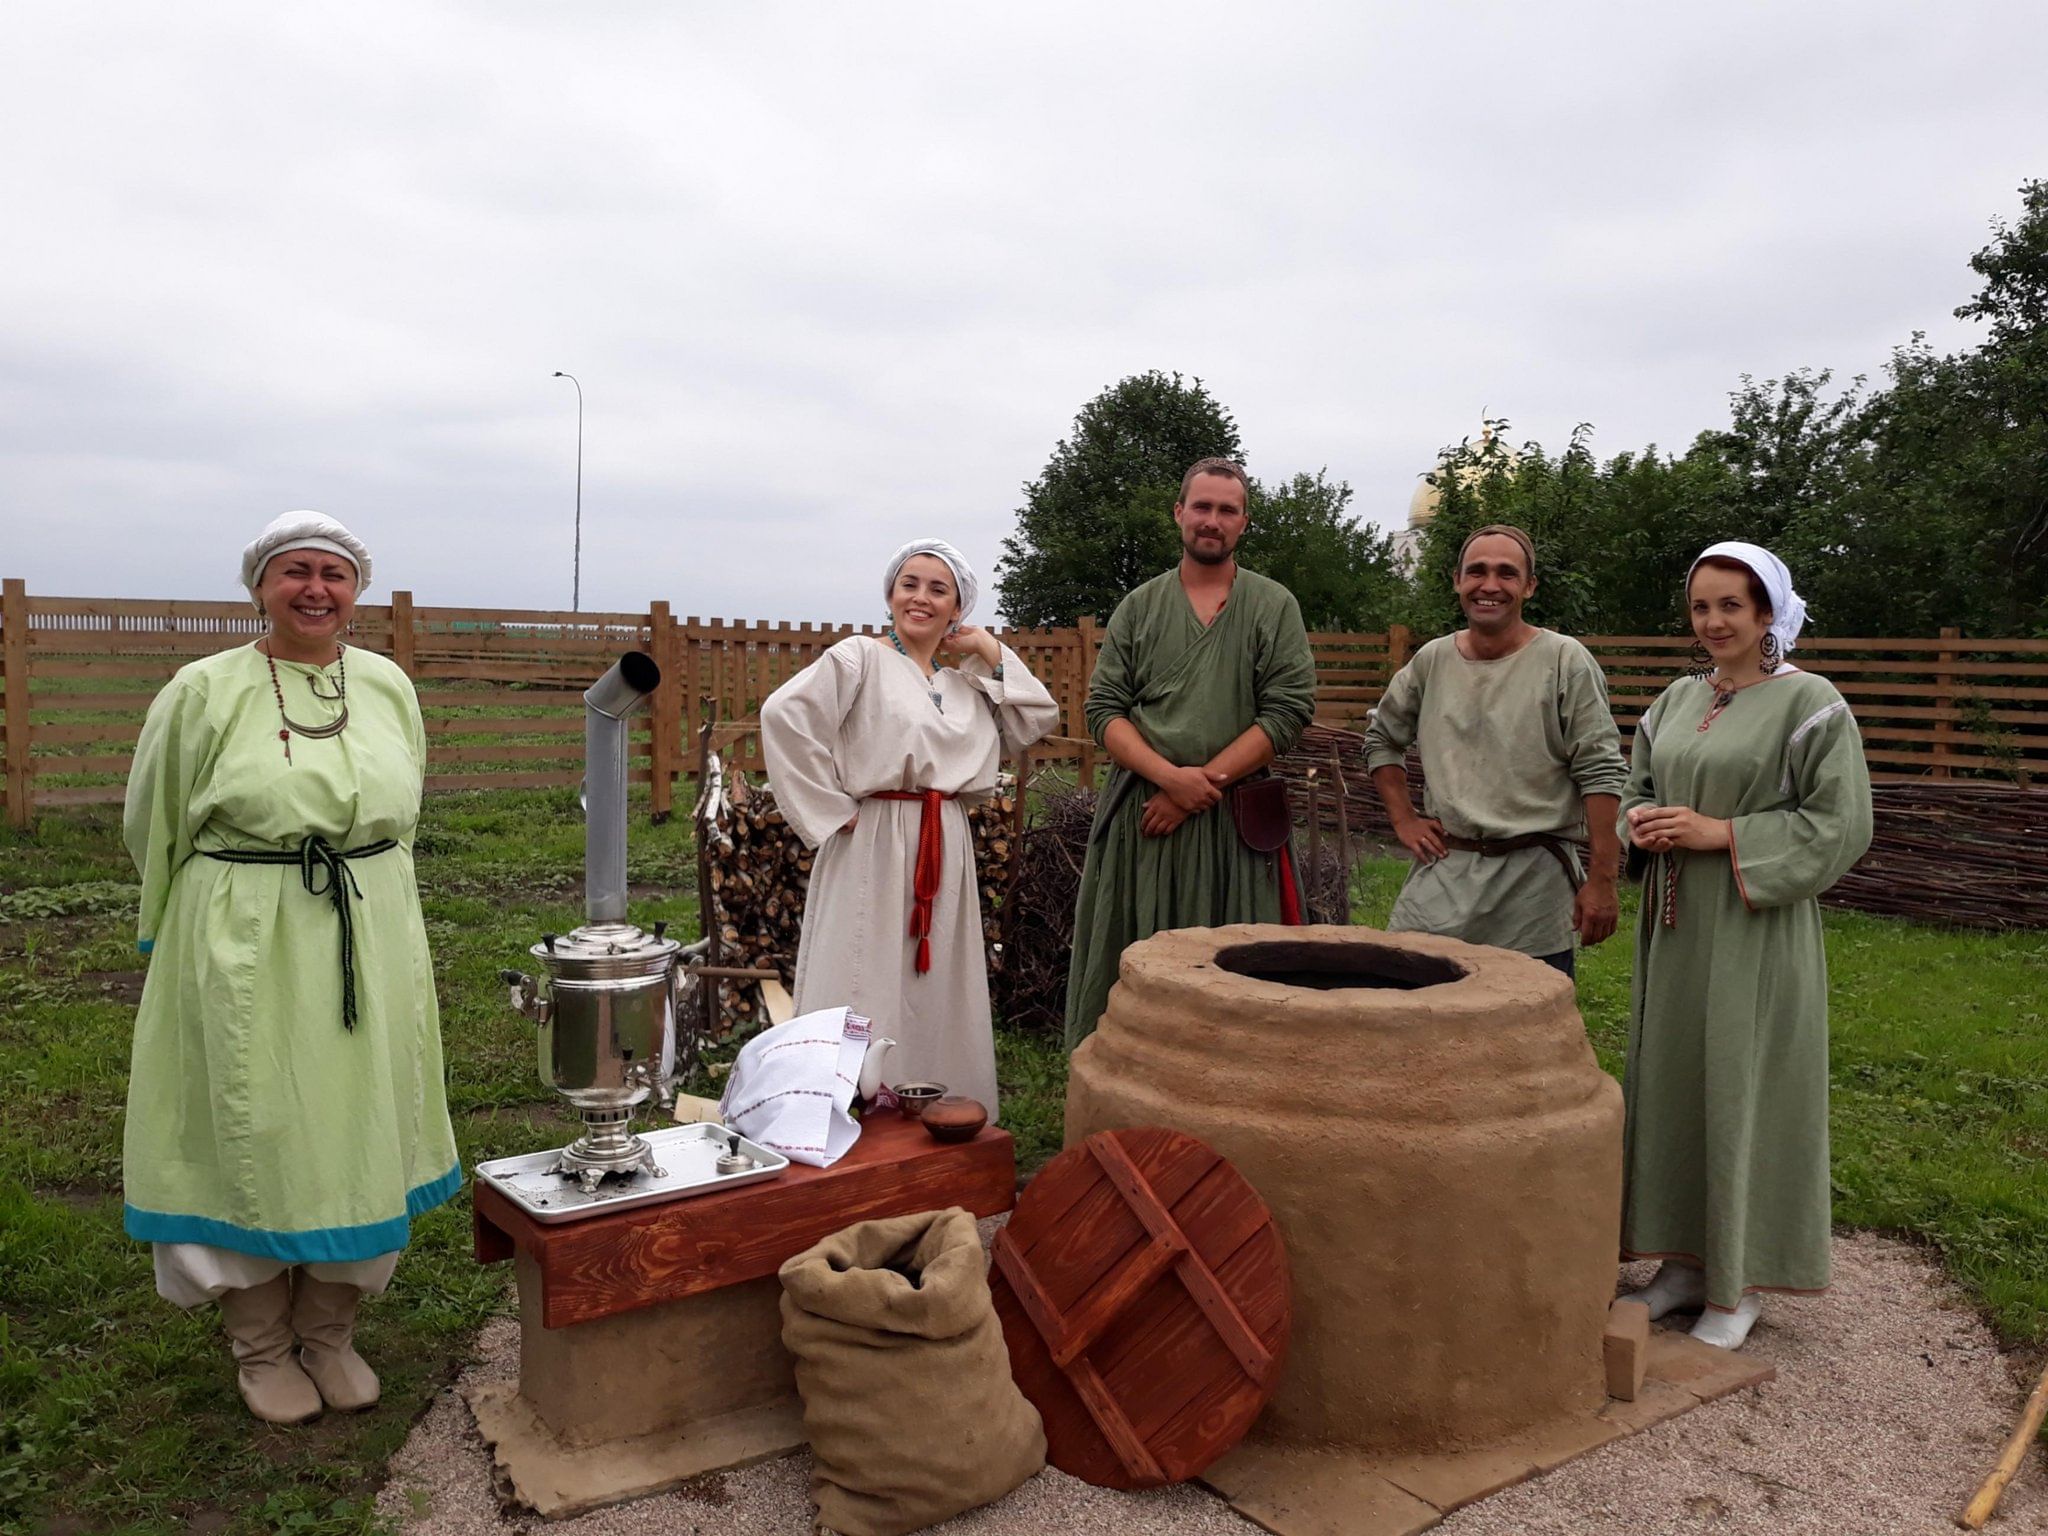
[
  {"x": 85, "y": 1195},
  {"x": 121, "y": 986},
  {"x": 206, "y": 1522},
  {"x": 709, "y": 1489}
]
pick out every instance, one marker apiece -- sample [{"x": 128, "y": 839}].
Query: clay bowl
[
  {"x": 916, "y": 1098},
  {"x": 955, "y": 1118}
]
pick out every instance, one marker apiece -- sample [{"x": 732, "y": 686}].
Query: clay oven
[{"x": 1439, "y": 1148}]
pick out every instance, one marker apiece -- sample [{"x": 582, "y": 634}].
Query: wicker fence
[{"x": 501, "y": 688}]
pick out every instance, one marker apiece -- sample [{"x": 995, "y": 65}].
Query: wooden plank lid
[{"x": 1143, "y": 1293}]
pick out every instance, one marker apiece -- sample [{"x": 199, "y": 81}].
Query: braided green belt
[{"x": 324, "y": 871}]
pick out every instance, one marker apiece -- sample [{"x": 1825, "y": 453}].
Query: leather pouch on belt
[{"x": 1259, "y": 808}]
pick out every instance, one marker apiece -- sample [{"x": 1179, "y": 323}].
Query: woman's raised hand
[{"x": 972, "y": 640}]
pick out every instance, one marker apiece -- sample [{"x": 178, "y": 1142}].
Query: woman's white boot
[{"x": 1727, "y": 1330}]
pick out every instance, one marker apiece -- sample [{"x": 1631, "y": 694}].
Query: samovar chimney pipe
[{"x": 606, "y": 705}]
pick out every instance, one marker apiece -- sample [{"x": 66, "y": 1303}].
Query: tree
[
  {"x": 1099, "y": 519},
  {"x": 1341, "y": 571}
]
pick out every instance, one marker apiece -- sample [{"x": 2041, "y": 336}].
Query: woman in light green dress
[
  {"x": 1747, "y": 788},
  {"x": 286, "y": 1112}
]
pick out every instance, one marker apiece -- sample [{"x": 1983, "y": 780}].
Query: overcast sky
[{"x": 835, "y": 275}]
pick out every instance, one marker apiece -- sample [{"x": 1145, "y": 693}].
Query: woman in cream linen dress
[{"x": 878, "y": 715}]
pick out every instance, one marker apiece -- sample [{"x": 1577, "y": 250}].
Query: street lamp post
[{"x": 576, "y": 587}]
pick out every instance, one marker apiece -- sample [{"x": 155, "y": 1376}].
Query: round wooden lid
[{"x": 1143, "y": 1292}]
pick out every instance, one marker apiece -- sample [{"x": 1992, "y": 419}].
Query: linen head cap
[
  {"x": 1788, "y": 608},
  {"x": 963, "y": 573},
  {"x": 302, "y": 530}
]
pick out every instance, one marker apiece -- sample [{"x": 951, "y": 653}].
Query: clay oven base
[{"x": 1438, "y": 1146}]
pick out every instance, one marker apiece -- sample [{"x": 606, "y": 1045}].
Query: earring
[
  {"x": 1770, "y": 653},
  {"x": 1702, "y": 661}
]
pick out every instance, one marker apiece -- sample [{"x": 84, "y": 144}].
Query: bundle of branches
[
  {"x": 1971, "y": 855},
  {"x": 1031, "y": 991},
  {"x": 1338, "y": 757},
  {"x": 761, "y": 873}
]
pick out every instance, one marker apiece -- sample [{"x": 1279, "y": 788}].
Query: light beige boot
[
  {"x": 259, "y": 1327},
  {"x": 324, "y": 1318}
]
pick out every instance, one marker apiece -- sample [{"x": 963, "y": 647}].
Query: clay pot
[
  {"x": 915, "y": 1098},
  {"x": 955, "y": 1118},
  {"x": 1439, "y": 1148}
]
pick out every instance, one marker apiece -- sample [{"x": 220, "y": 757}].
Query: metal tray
[{"x": 686, "y": 1154}]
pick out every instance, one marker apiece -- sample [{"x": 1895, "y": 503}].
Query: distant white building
[{"x": 1422, "y": 506}]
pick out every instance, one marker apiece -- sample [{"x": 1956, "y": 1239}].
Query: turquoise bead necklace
[{"x": 897, "y": 641}]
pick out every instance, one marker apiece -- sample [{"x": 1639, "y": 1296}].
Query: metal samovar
[{"x": 607, "y": 1005}]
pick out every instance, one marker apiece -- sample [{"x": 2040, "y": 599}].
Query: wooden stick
[
  {"x": 707, "y": 911},
  {"x": 1979, "y": 1511},
  {"x": 1343, "y": 830},
  {"x": 1314, "y": 877}
]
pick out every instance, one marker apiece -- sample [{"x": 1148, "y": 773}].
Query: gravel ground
[{"x": 1890, "y": 1406}]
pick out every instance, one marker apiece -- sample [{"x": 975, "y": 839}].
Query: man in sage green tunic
[
  {"x": 1521, "y": 764},
  {"x": 1204, "y": 676},
  {"x": 1748, "y": 789}
]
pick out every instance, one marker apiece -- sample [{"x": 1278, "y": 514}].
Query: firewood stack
[{"x": 761, "y": 873}]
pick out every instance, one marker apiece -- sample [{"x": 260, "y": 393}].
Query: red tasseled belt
[{"x": 931, "y": 860}]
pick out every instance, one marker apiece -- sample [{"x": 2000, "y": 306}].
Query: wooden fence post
[
  {"x": 1945, "y": 701},
  {"x": 14, "y": 657},
  {"x": 666, "y": 721},
  {"x": 1088, "y": 642},
  {"x": 1399, "y": 647},
  {"x": 401, "y": 632}
]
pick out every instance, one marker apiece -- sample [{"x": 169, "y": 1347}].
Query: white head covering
[
  {"x": 1788, "y": 608},
  {"x": 963, "y": 573},
  {"x": 302, "y": 530}
]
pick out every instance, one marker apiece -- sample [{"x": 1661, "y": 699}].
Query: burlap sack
[{"x": 908, "y": 1400}]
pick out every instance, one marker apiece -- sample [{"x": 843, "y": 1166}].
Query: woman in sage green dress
[
  {"x": 286, "y": 1113},
  {"x": 1747, "y": 788}
]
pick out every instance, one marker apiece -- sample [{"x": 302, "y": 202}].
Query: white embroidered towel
[{"x": 792, "y": 1086}]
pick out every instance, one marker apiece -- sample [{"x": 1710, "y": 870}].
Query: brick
[{"x": 1625, "y": 1347}]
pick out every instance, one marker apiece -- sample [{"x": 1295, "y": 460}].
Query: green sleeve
[
  {"x": 1284, "y": 678},
  {"x": 175, "y": 748},
  {"x": 1111, "y": 688},
  {"x": 1782, "y": 857},
  {"x": 1641, "y": 785},
  {"x": 1593, "y": 744},
  {"x": 1392, "y": 731}
]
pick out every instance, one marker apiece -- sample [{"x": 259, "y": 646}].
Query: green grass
[{"x": 118, "y": 1412}]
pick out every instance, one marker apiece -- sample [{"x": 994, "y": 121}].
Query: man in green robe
[
  {"x": 1522, "y": 769},
  {"x": 1204, "y": 676}
]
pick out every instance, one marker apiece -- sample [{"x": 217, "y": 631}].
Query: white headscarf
[
  {"x": 302, "y": 530},
  {"x": 963, "y": 573},
  {"x": 1788, "y": 608}
]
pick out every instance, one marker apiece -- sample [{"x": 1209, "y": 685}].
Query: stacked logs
[{"x": 760, "y": 874}]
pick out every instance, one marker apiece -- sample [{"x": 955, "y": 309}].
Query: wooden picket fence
[{"x": 501, "y": 688}]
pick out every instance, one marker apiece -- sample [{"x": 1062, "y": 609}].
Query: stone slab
[
  {"x": 532, "y": 1469},
  {"x": 1703, "y": 1370},
  {"x": 1298, "y": 1491},
  {"x": 1294, "y": 1492}
]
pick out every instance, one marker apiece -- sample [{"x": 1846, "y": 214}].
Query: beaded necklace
[
  {"x": 932, "y": 693},
  {"x": 332, "y": 727}
]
